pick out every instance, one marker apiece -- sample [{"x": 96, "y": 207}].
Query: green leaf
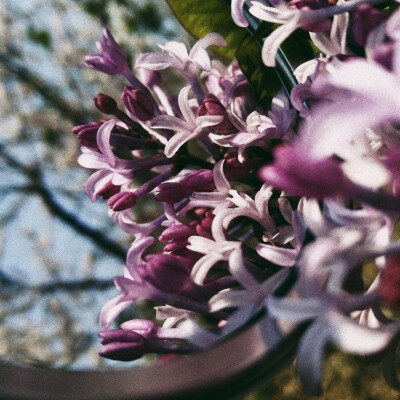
[
  {"x": 264, "y": 80},
  {"x": 200, "y": 17}
]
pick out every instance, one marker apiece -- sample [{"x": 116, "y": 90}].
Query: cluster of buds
[{"x": 277, "y": 210}]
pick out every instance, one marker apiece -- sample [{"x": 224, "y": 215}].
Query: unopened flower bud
[
  {"x": 170, "y": 192},
  {"x": 177, "y": 232},
  {"x": 166, "y": 272},
  {"x": 108, "y": 190},
  {"x": 106, "y": 104},
  {"x": 201, "y": 180},
  {"x": 204, "y": 227},
  {"x": 123, "y": 345},
  {"x": 138, "y": 103},
  {"x": 212, "y": 106},
  {"x": 122, "y": 201},
  {"x": 235, "y": 168},
  {"x": 87, "y": 133},
  {"x": 177, "y": 237},
  {"x": 298, "y": 175}
]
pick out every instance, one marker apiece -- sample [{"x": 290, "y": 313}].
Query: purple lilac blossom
[
  {"x": 111, "y": 60},
  {"x": 250, "y": 198}
]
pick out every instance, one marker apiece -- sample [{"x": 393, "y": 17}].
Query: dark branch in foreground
[{"x": 7, "y": 282}]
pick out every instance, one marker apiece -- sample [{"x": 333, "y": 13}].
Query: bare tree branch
[
  {"x": 48, "y": 93},
  {"x": 7, "y": 282},
  {"x": 38, "y": 186}
]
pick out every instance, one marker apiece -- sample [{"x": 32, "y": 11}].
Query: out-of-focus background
[{"x": 58, "y": 251}]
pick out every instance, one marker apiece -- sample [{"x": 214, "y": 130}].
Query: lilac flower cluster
[{"x": 289, "y": 213}]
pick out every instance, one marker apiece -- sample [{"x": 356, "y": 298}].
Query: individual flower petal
[
  {"x": 237, "y": 13},
  {"x": 112, "y": 309},
  {"x": 277, "y": 255},
  {"x": 310, "y": 356},
  {"x": 199, "y": 56}
]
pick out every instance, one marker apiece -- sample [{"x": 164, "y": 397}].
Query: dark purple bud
[
  {"x": 122, "y": 345},
  {"x": 212, "y": 106},
  {"x": 177, "y": 232},
  {"x": 236, "y": 169},
  {"x": 87, "y": 133},
  {"x": 203, "y": 232},
  {"x": 122, "y": 201},
  {"x": 106, "y": 104},
  {"x": 166, "y": 272},
  {"x": 138, "y": 103},
  {"x": 176, "y": 245},
  {"x": 170, "y": 192},
  {"x": 363, "y": 20},
  {"x": 168, "y": 262},
  {"x": 207, "y": 221},
  {"x": 297, "y": 174},
  {"x": 91, "y": 125},
  {"x": 204, "y": 227},
  {"x": 108, "y": 190},
  {"x": 201, "y": 180}
]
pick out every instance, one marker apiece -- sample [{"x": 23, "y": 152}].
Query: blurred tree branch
[
  {"x": 50, "y": 94},
  {"x": 37, "y": 185},
  {"x": 50, "y": 301}
]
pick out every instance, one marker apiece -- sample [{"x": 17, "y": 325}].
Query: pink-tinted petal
[
  {"x": 155, "y": 61},
  {"x": 178, "y": 49},
  {"x": 277, "y": 255},
  {"x": 103, "y": 141},
  {"x": 169, "y": 122},
  {"x": 237, "y": 13},
  {"x": 209, "y": 120},
  {"x": 199, "y": 55},
  {"x": 222, "y": 184},
  {"x": 96, "y": 182},
  {"x": 183, "y": 101},
  {"x": 91, "y": 159},
  {"x": 357, "y": 339},
  {"x": 274, "y": 40},
  {"x": 136, "y": 250},
  {"x": 112, "y": 309}
]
